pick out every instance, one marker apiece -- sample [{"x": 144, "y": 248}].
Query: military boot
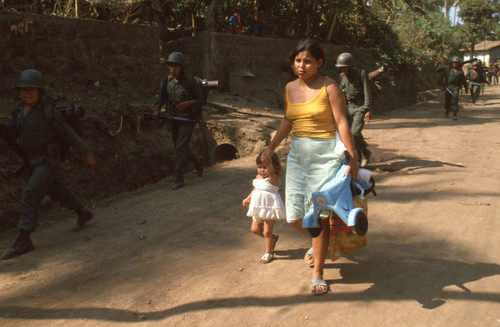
[
  {"x": 179, "y": 181},
  {"x": 21, "y": 246},
  {"x": 84, "y": 216},
  {"x": 366, "y": 158}
]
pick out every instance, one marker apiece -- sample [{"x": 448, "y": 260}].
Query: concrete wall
[{"x": 229, "y": 57}]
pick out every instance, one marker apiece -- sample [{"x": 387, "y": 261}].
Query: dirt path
[{"x": 156, "y": 257}]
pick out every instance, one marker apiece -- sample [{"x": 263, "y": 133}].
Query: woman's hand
[
  {"x": 266, "y": 157},
  {"x": 353, "y": 167}
]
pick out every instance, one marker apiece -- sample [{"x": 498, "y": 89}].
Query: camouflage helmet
[
  {"x": 177, "y": 58},
  {"x": 30, "y": 78},
  {"x": 345, "y": 60},
  {"x": 454, "y": 59}
]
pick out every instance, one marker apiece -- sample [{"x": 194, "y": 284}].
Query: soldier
[
  {"x": 357, "y": 89},
  {"x": 476, "y": 79},
  {"x": 38, "y": 127},
  {"x": 450, "y": 81},
  {"x": 183, "y": 96},
  {"x": 495, "y": 70}
]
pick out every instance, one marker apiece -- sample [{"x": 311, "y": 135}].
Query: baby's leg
[
  {"x": 268, "y": 234},
  {"x": 257, "y": 227}
]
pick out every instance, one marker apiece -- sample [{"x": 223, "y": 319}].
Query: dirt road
[{"x": 156, "y": 257}]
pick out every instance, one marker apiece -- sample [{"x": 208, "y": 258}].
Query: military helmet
[
  {"x": 30, "y": 78},
  {"x": 454, "y": 59},
  {"x": 344, "y": 60},
  {"x": 177, "y": 58}
]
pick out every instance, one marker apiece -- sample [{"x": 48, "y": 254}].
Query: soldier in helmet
[
  {"x": 450, "y": 81},
  {"x": 182, "y": 95},
  {"x": 357, "y": 89},
  {"x": 38, "y": 126},
  {"x": 476, "y": 79}
]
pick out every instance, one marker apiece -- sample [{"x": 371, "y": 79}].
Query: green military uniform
[
  {"x": 38, "y": 137},
  {"x": 358, "y": 92},
  {"x": 185, "y": 89},
  {"x": 476, "y": 78},
  {"x": 452, "y": 80},
  {"x": 496, "y": 69}
]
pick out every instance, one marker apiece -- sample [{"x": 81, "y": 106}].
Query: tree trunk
[{"x": 211, "y": 16}]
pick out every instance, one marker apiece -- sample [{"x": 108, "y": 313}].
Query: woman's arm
[
  {"x": 283, "y": 131},
  {"x": 273, "y": 178},
  {"x": 337, "y": 103}
]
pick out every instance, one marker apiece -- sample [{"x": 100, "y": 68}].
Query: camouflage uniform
[{"x": 358, "y": 92}]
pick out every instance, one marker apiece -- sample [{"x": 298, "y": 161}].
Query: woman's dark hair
[
  {"x": 274, "y": 159},
  {"x": 313, "y": 46}
]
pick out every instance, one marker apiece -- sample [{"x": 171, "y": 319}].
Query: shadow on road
[{"x": 422, "y": 279}]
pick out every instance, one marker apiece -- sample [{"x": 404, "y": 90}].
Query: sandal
[
  {"x": 275, "y": 238},
  {"x": 308, "y": 258},
  {"x": 318, "y": 282},
  {"x": 266, "y": 258}
]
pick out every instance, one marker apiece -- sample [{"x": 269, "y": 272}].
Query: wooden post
[{"x": 76, "y": 8}]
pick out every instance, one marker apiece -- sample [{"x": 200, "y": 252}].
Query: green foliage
[
  {"x": 403, "y": 31},
  {"x": 481, "y": 18}
]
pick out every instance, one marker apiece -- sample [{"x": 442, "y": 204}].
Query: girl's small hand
[{"x": 246, "y": 202}]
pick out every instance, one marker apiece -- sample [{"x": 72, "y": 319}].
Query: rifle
[
  {"x": 148, "y": 116},
  {"x": 440, "y": 69},
  {"x": 71, "y": 115},
  {"x": 8, "y": 135},
  {"x": 474, "y": 83},
  {"x": 451, "y": 93}
]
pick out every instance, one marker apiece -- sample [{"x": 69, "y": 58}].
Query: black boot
[
  {"x": 179, "y": 181},
  {"x": 84, "y": 216},
  {"x": 21, "y": 246},
  {"x": 199, "y": 167}
]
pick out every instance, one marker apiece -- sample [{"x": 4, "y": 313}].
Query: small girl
[{"x": 265, "y": 205}]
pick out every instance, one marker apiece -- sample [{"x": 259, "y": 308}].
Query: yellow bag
[{"x": 343, "y": 241}]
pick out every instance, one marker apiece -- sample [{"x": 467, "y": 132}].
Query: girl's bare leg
[
  {"x": 257, "y": 228},
  {"x": 268, "y": 234}
]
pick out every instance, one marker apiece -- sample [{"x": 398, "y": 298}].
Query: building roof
[{"x": 484, "y": 46}]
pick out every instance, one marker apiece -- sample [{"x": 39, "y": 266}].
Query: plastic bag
[{"x": 343, "y": 241}]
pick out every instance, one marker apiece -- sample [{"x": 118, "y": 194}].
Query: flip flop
[
  {"x": 266, "y": 258},
  {"x": 308, "y": 257},
  {"x": 318, "y": 282},
  {"x": 275, "y": 238}
]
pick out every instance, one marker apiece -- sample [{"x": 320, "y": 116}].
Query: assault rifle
[
  {"x": 8, "y": 134},
  {"x": 72, "y": 115},
  {"x": 440, "y": 69},
  {"x": 451, "y": 93},
  {"x": 148, "y": 116}
]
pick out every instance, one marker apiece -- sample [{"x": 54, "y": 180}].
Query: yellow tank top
[{"x": 312, "y": 119}]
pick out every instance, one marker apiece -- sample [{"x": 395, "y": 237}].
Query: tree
[{"x": 480, "y": 19}]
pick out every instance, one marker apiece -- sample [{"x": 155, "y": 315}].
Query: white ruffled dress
[{"x": 266, "y": 202}]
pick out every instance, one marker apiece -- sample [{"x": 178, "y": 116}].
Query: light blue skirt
[{"x": 310, "y": 164}]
